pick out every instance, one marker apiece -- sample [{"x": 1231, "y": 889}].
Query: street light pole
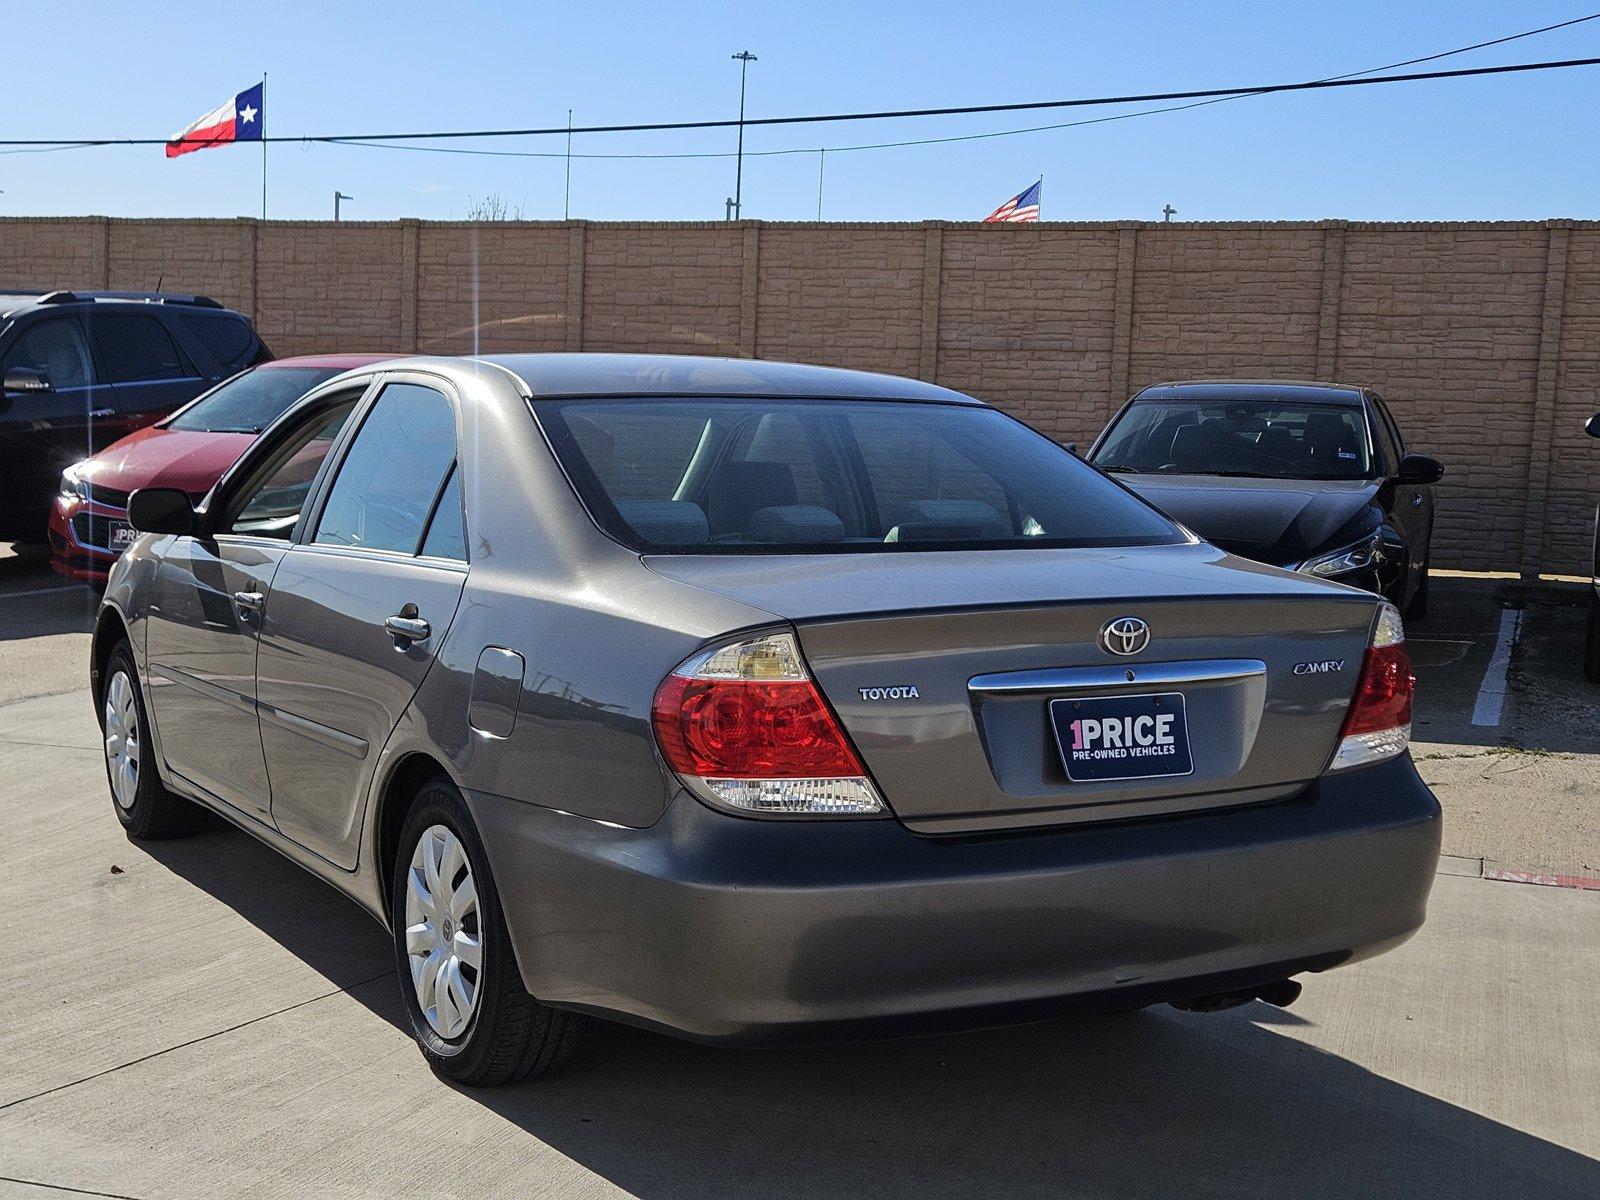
[
  {"x": 744, "y": 58},
  {"x": 338, "y": 196}
]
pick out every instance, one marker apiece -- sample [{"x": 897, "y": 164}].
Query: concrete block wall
[{"x": 1485, "y": 337}]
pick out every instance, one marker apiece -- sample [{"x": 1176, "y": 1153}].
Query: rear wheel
[
  {"x": 147, "y": 810},
  {"x": 458, "y": 975}
]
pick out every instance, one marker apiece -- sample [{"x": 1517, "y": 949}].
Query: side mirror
[
  {"x": 1072, "y": 448},
  {"x": 27, "y": 381},
  {"x": 161, "y": 510},
  {"x": 1419, "y": 468},
  {"x": 1592, "y": 426}
]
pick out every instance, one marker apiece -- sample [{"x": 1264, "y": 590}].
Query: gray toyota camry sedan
[{"x": 756, "y": 702}]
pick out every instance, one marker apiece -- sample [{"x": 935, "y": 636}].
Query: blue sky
[{"x": 1506, "y": 148}]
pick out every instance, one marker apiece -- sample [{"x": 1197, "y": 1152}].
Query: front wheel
[
  {"x": 147, "y": 810},
  {"x": 1418, "y": 608},
  {"x": 469, "y": 1012}
]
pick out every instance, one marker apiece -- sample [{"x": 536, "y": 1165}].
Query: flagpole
[{"x": 263, "y": 145}]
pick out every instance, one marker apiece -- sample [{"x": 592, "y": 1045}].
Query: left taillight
[
  {"x": 747, "y": 730},
  {"x": 1378, "y": 725}
]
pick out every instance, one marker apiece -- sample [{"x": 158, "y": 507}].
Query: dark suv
[{"x": 82, "y": 369}]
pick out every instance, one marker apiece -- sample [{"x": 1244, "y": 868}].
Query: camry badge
[
  {"x": 1319, "y": 668},
  {"x": 1124, "y": 636}
]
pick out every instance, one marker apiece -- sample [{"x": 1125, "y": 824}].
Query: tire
[
  {"x": 1418, "y": 608},
  {"x": 502, "y": 1034},
  {"x": 147, "y": 810},
  {"x": 1591, "y": 648}
]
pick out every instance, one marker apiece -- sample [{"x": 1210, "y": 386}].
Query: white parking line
[{"x": 1492, "y": 692}]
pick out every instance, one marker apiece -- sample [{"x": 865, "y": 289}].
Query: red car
[{"x": 189, "y": 449}]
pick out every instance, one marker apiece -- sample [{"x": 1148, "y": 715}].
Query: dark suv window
[
  {"x": 390, "y": 480},
  {"x": 55, "y": 347},
  {"x": 229, "y": 339},
  {"x": 135, "y": 348}
]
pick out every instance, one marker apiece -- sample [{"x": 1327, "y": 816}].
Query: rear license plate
[
  {"x": 123, "y": 535},
  {"x": 1122, "y": 737}
]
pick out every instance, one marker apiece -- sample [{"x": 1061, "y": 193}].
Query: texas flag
[{"x": 239, "y": 120}]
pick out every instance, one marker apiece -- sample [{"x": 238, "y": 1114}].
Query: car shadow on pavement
[
  {"x": 327, "y": 931},
  {"x": 1154, "y": 1103},
  {"x": 1149, "y": 1104}
]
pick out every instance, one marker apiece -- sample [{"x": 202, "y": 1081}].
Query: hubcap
[
  {"x": 122, "y": 740},
  {"x": 444, "y": 941}
]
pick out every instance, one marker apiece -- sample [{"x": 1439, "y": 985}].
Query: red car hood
[{"x": 155, "y": 457}]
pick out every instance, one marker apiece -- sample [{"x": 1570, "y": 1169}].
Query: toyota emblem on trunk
[{"x": 1124, "y": 636}]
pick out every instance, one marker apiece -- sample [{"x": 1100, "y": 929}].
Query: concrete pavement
[{"x": 201, "y": 1018}]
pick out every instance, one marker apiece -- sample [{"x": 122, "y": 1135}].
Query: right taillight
[
  {"x": 1378, "y": 725},
  {"x": 746, "y": 729}
]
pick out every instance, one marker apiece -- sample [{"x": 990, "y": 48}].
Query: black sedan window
[
  {"x": 819, "y": 476},
  {"x": 1271, "y": 439}
]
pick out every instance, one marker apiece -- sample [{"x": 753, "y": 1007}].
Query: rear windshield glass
[
  {"x": 699, "y": 476},
  {"x": 250, "y": 402},
  {"x": 1273, "y": 439}
]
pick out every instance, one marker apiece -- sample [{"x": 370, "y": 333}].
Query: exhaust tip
[{"x": 1280, "y": 994}]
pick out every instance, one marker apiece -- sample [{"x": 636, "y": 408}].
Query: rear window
[
  {"x": 701, "y": 476},
  {"x": 250, "y": 402},
  {"x": 229, "y": 339}
]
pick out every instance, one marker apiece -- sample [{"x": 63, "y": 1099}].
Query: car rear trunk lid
[{"x": 949, "y": 701}]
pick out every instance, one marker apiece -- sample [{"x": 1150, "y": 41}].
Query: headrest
[
  {"x": 666, "y": 522},
  {"x": 738, "y": 489},
  {"x": 800, "y": 523},
  {"x": 1195, "y": 446}
]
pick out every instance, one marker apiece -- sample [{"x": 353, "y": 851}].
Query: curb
[{"x": 1478, "y": 868}]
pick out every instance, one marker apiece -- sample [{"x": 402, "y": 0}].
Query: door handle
[
  {"x": 101, "y": 414},
  {"x": 249, "y": 602},
  {"x": 408, "y": 629}
]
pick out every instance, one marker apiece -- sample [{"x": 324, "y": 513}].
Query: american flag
[{"x": 1021, "y": 207}]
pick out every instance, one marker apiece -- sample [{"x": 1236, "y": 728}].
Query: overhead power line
[
  {"x": 967, "y": 137},
  {"x": 879, "y": 115}
]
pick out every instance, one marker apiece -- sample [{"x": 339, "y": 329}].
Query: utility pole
[
  {"x": 1167, "y": 213},
  {"x": 566, "y": 204},
  {"x": 744, "y": 59},
  {"x": 338, "y": 196}
]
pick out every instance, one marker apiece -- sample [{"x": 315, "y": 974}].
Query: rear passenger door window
[
  {"x": 447, "y": 528},
  {"x": 392, "y": 478},
  {"x": 135, "y": 348}
]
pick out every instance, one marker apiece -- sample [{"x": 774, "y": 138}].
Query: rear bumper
[{"x": 725, "y": 929}]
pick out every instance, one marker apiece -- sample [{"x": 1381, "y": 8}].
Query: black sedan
[{"x": 1313, "y": 477}]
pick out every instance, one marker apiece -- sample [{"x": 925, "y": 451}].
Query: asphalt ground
[{"x": 201, "y": 1018}]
